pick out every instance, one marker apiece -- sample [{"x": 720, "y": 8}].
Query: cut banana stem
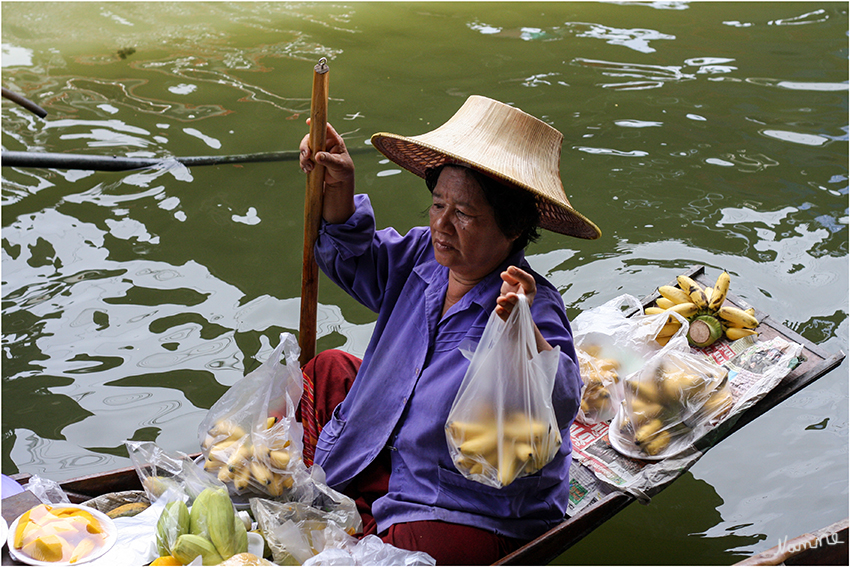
[{"x": 704, "y": 331}]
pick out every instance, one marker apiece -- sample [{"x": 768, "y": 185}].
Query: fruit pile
[
  {"x": 211, "y": 530},
  {"x": 600, "y": 376},
  {"x": 525, "y": 446},
  {"x": 258, "y": 459},
  {"x": 708, "y": 318},
  {"x": 668, "y": 402},
  {"x": 58, "y": 534}
]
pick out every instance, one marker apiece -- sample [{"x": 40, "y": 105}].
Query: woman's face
[{"x": 464, "y": 232}]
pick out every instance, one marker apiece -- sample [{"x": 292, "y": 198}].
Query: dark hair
[{"x": 515, "y": 209}]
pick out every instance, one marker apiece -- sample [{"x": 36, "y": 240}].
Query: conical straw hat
[{"x": 503, "y": 142}]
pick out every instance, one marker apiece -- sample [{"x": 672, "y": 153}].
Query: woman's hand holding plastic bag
[{"x": 502, "y": 424}]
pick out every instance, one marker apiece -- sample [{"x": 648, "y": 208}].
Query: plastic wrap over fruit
[{"x": 669, "y": 404}]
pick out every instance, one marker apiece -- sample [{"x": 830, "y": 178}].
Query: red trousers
[{"x": 327, "y": 379}]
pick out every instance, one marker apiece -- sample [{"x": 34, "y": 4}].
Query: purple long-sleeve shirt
[{"x": 411, "y": 372}]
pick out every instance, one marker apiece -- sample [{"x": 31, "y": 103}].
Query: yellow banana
[
  {"x": 260, "y": 472},
  {"x": 239, "y": 457},
  {"x": 657, "y": 443},
  {"x": 721, "y": 288},
  {"x": 270, "y": 422},
  {"x": 694, "y": 291},
  {"x": 686, "y": 310},
  {"x": 647, "y": 432},
  {"x": 480, "y": 445},
  {"x": 735, "y": 317},
  {"x": 225, "y": 475},
  {"x": 708, "y": 291},
  {"x": 674, "y": 294},
  {"x": 241, "y": 477},
  {"x": 735, "y": 333},
  {"x": 654, "y": 310},
  {"x": 465, "y": 430},
  {"x": 279, "y": 459},
  {"x": 664, "y": 303},
  {"x": 669, "y": 329}
]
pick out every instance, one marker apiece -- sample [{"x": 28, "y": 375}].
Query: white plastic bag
[
  {"x": 249, "y": 437},
  {"x": 670, "y": 403},
  {"x": 502, "y": 424},
  {"x": 611, "y": 346}
]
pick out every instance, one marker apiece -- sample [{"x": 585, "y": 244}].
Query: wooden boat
[{"x": 556, "y": 541}]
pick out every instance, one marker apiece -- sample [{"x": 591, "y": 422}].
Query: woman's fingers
[{"x": 514, "y": 281}]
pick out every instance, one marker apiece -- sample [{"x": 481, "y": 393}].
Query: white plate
[
  {"x": 108, "y": 528},
  {"x": 626, "y": 446}
]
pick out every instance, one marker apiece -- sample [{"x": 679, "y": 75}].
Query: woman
[{"x": 493, "y": 174}]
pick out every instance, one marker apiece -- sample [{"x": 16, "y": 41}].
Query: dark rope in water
[{"x": 49, "y": 160}]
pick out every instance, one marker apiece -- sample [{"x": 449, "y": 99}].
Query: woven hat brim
[{"x": 418, "y": 157}]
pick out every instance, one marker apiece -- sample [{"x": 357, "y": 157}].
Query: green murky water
[{"x": 695, "y": 133}]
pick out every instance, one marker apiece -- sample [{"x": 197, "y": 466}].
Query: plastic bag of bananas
[
  {"x": 502, "y": 425},
  {"x": 610, "y": 346},
  {"x": 249, "y": 438},
  {"x": 669, "y": 404}
]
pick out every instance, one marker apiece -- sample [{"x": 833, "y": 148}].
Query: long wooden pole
[{"x": 313, "y": 213}]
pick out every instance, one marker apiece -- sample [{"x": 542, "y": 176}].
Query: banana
[
  {"x": 708, "y": 291},
  {"x": 465, "y": 430},
  {"x": 480, "y": 445},
  {"x": 686, "y": 310},
  {"x": 674, "y": 294},
  {"x": 225, "y": 475},
  {"x": 657, "y": 443},
  {"x": 735, "y": 333},
  {"x": 721, "y": 288},
  {"x": 260, "y": 472},
  {"x": 270, "y": 422},
  {"x": 664, "y": 303},
  {"x": 645, "y": 433},
  {"x": 239, "y": 458},
  {"x": 694, "y": 291},
  {"x": 241, "y": 478},
  {"x": 735, "y": 317},
  {"x": 279, "y": 459},
  {"x": 654, "y": 310},
  {"x": 669, "y": 329}
]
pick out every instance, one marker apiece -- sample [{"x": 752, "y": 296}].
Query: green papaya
[
  {"x": 173, "y": 522},
  {"x": 189, "y": 546}
]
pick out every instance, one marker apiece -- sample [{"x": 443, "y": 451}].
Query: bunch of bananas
[
  {"x": 525, "y": 446},
  {"x": 258, "y": 459},
  {"x": 708, "y": 318},
  {"x": 57, "y": 534},
  {"x": 211, "y": 530},
  {"x": 666, "y": 404},
  {"x": 600, "y": 376}
]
